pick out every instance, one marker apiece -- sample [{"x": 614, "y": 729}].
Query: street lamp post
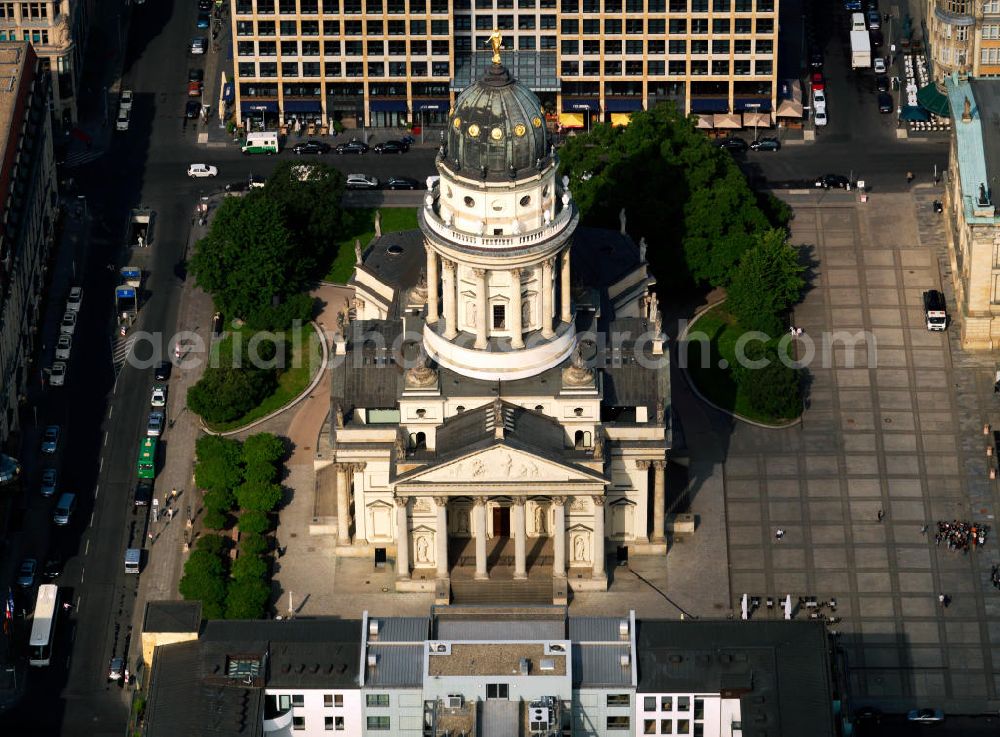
[{"x": 755, "y": 106}]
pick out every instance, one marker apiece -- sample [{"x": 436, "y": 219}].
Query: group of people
[{"x": 959, "y": 535}]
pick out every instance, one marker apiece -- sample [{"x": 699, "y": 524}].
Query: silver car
[
  {"x": 49, "y": 479},
  {"x": 154, "y": 427},
  {"x": 57, "y": 375},
  {"x": 64, "y": 346},
  {"x": 68, "y": 322}
]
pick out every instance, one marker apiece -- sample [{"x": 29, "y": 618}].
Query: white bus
[{"x": 43, "y": 626}]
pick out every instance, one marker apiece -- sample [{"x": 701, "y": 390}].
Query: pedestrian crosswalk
[
  {"x": 82, "y": 157},
  {"x": 120, "y": 350}
]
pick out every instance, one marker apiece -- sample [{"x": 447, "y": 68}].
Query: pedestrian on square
[
  {"x": 879, "y": 515},
  {"x": 909, "y": 177},
  {"x": 779, "y": 533}
]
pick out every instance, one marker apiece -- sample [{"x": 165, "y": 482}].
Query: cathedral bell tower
[{"x": 498, "y": 230}]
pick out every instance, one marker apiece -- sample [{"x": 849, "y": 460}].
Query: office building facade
[{"x": 387, "y": 63}]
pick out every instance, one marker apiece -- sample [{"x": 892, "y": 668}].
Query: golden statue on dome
[{"x": 496, "y": 41}]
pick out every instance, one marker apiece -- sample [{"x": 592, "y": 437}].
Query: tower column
[
  {"x": 479, "y": 529},
  {"x": 520, "y": 533},
  {"x": 343, "y": 504},
  {"x": 402, "y": 539},
  {"x": 547, "y": 298},
  {"x": 441, "y": 536},
  {"x": 598, "y": 536},
  {"x": 432, "y": 286},
  {"x": 564, "y": 289},
  {"x": 559, "y": 565},
  {"x": 516, "y": 328},
  {"x": 659, "y": 499},
  {"x": 482, "y": 307},
  {"x": 450, "y": 307}
]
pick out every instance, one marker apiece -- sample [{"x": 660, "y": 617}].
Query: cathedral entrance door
[{"x": 501, "y": 521}]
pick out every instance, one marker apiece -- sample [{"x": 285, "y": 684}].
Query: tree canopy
[
  {"x": 766, "y": 283},
  {"x": 226, "y": 393},
  {"x": 204, "y": 581},
  {"x": 685, "y": 196},
  {"x": 309, "y": 198},
  {"x": 218, "y": 467}
]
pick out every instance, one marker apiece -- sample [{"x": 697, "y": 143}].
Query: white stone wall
[
  {"x": 314, "y": 711},
  {"x": 661, "y": 713}
]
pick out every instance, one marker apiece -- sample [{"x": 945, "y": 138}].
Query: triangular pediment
[{"x": 500, "y": 464}]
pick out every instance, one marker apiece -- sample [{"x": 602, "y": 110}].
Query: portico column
[
  {"x": 432, "y": 286},
  {"x": 479, "y": 522},
  {"x": 481, "y": 309},
  {"x": 564, "y": 290},
  {"x": 343, "y": 504},
  {"x": 441, "y": 536},
  {"x": 559, "y": 566},
  {"x": 547, "y": 298},
  {"x": 450, "y": 308},
  {"x": 598, "y": 536},
  {"x": 517, "y": 515},
  {"x": 402, "y": 539},
  {"x": 516, "y": 328},
  {"x": 659, "y": 500}
]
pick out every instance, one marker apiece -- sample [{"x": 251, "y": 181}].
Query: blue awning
[
  {"x": 258, "y": 106},
  {"x": 622, "y": 105},
  {"x": 303, "y": 106},
  {"x": 388, "y": 106},
  {"x": 125, "y": 293},
  {"x": 744, "y": 103},
  {"x": 709, "y": 105},
  {"x": 578, "y": 106},
  {"x": 228, "y": 92},
  {"x": 434, "y": 106}
]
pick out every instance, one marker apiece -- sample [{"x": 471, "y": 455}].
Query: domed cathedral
[{"x": 500, "y": 398}]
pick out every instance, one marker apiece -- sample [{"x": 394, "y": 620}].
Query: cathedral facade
[{"x": 501, "y": 397}]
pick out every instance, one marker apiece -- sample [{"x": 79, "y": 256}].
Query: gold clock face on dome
[
  {"x": 519, "y": 130},
  {"x": 537, "y": 122},
  {"x": 474, "y": 130},
  {"x": 457, "y": 123},
  {"x": 496, "y": 134}
]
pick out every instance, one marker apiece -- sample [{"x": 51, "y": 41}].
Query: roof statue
[
  {"x": 577, "y": 373},
  {"x": 496, "y": 41},
  {"x": 420, "y": 375},
  {"x": 357, "y": 251},
  {"x": 338, "y": 416},
  {"x": 642, "y": 250}
]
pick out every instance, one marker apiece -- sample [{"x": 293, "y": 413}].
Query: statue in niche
[
  {"x": 462, "y": 522},
  {"x": 579, "y": 549},
  {"x": 622, "y": 220},
  {"x": 357, "y": 251},
  {"x": 540, "y": 520},
  {"x": 422, "y": 550},
  {"x": 338, "y": 417},
  {"x": 642, "y": 250}
]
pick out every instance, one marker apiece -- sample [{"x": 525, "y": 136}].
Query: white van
[
  {"x": 64, "y": 509},
  {"x": 265, "y": 142},
  {"x": 858, "y": 22},
  {"x": 133, "y": 558}
]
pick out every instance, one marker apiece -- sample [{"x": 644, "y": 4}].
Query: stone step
[{"x": 505, "y": 592}]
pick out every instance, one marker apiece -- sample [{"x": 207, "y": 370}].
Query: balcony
[{"x": 279, "y": 723}]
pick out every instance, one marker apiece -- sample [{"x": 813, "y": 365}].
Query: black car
[
  {"x": 881, "y": 83},
  {"x": 816, "y": 59},
  {"x": 162, "y": 371},
  {"x": 832, "y": 181},
  {"x": 391, "y": 147},
  {"x": 884, "y": 102},
  {"x": 732, "y": 143},
  {"x": 766, "y": 144},
  {"x": 143, "y": 494},
  {"x": 352, "y": 147},
  {"x": 876, "y": 37},
  {"x": 311, "y": 147},
  {"x": 53, "y": 567},
  {"x": 204, "y": 5},
  {"x": 401, "y": 183},
  {"x": 196, "y": 75},
  {"x": 192, "y": 109}
]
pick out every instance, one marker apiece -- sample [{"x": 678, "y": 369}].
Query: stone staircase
[{"x": 502, "y": 592}]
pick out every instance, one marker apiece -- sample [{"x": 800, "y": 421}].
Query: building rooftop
[
  {"x": 497, "y": 658},
  {"x": 977, "y": 143},
  {"x": 13, "y": 58},
  {"x": 172, "y": 616}
]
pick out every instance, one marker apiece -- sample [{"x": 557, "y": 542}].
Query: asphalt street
[{"x": 103, "y": 419}]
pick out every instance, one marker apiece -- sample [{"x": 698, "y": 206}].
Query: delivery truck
[{"x": 861, "y": 50}]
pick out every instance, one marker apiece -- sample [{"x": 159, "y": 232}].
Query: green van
[{"x": 265, "y": 142}]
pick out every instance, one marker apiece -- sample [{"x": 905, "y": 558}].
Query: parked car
[
  {"x": 832, "y": 181},
  {"x": 202, "y": 170},
  {"x": 311, "y": 147},
  {"x": 204, "y": 5},
  {"x": 819, "y": 118},
  {"x": 401, "y": 183},
  {"x": 75, "y": 299},
  {"x": 125, "y": 101},
  {"x": 154, "y": 426},
  {"x": 732, "y": 143},
  {"x": 361, "y": 181},
  {"x": 816, "y": 59},
  {"x": 203, "y": 20},
  {"x": 925, "y": 715},
  {"x": 352, "y": 147},
  {"x": 115, "y": 669},
  {"x": 192, "y": 109},
  {"x": 49, "y": 482},
  {"x": 819, "y": 100},
  {"x": 817, "y": 81},
  {"x": 391, "y": 147},
  {"x": 884, "y": 102},
  {"x": 52, "y": 567},
  {"x": 50, "y": 439},
  {"x": 158, "y": 398},
  {"x": 122, "y": 121},
  {"x": 57, "y": 374},
  {"x": 194, "y": 89},
  {"x": 143, "y": 494},
  {"x": 878, "y": 65},
  {"x": 876, "y": 39},
  {"x": 852, "y": 5},
  {"x": 881, "y": 83},
  {"x": 64, "y": 345},
  {"x": 162, "y": 371},
  {"x": 68, "y": 322},
  {"x": 196, "y": 75},
  {"x": 26, "y": 573},
  {"x": 874, "y": 19},
  {"x": 766, "y": 144},
  {"x": 199, "y": 45}
]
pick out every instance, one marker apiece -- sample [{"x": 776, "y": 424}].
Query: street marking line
[
  {"x": 82, "y": 571},
  {"x": 100, "y": 466},
  {"x": 97, "y": 490},
  {"x": 79, "y": 598},
  {"x": 111, "y": 411},
  {"x": 91, "y": 519},
  {"x": 105, "y": 438},
  {"x": 86, "y": 548}
]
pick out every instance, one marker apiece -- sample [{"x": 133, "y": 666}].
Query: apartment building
[
  {"x": 485, "y": 671},
  {"x": 57, "y": 31},
  {"x": 28, "y": 201},
  {"x": 385, "y": 63}
]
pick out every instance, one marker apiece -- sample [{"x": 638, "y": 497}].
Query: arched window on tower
[
  {"x": 418, "y": 441},
  {"x": 581, "y": 440}
]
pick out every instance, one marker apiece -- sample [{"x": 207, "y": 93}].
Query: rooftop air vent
[
  {"x": 624, "y": 660},
  {"x": 546, "y": 664},
  {"x": 454, "y": 701},
  {"x": 623, "y": 628},
  {"x": 373, "y": 628},
  {"x": 439, "y": 648},
  {"x": 524, "y": 666},
  {"x": 394, "y": 250},
  {"x": 555, "y": 648},
  {"x": 372, "y": 660}
]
